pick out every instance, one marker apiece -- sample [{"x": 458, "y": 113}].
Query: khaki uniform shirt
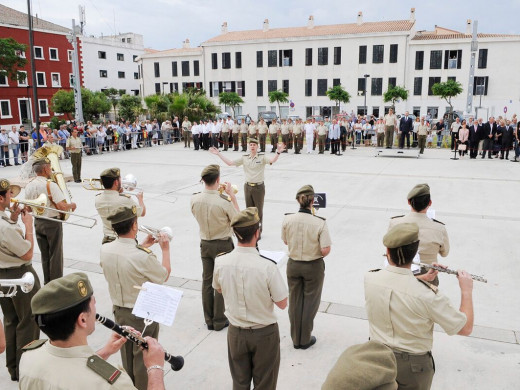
[
  {"x": 273, "y": 129},
  {"x": 305, "y": 235},
  {"x": 322, "y": 130},
  {"x": 107, "y": 202},
  {"x": 38, "y": 186},
  {"x": 243, "y": 128},
  {"x": 225, "y": 128},
  {"x": 252, "y": 129},
  {"x": 213, "y": 213},
  {"x": 390, "y": 120},
  {"x": 12, "y": 243},
  {"x": 432, "y": 235},
  {"x": 262, "y": 128},
  {"x": 284, "y": 128},
  {"x": 253, "y": 167},
  {"x": 125, "y": 266},
  {"x": 236, "y": 128},
  {"x": 297, "y": 128},
  {"x": 423, "y": 129},
  {"x": 53, "y": 368},
  {"x": 250, "y": 285},
  {"x": 402, "y": 310},
  {"x": 74, "y": 143},
  {"x": 186, "y": 125}
]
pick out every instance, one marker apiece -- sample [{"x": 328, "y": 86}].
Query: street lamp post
[{"x": 366, "y": 76}]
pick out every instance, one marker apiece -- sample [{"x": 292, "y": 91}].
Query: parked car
[
  {"x": 317, "y": 117},
  {"x": 399, "y": 116},
  {"x": 223, "y": 115},
  {"x": 267, "y": 116}
]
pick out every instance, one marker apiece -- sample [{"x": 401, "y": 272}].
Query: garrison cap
[
  {"x": 123, "y": 214},
  {"x": 305, "y": 190},
  {"x": 367, "y": 366},
  {"x": 245, "y": 218},
  {"x": 61, "y": 294},
  {"x": 419, "y": 190},
  {"x": 213, "y": 169},
  {"x": 401, "y": 235},
  {"x": 41, "y": 161},
  {"x": 6, "y": 185},
  {"x": 252, "y": 141},
  {"x": 112, "y": 173}
]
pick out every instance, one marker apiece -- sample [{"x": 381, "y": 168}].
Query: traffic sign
[{"x": 505, "y": 110}]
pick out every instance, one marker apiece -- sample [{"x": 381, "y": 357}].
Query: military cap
[
  {"x": 123, "y": 214},
  {"x": 6, "y": 185},
  {"x": 367, "y": 366},
  {"x": 245, "y": 218},
  {"x": 41, "y": 161},
  {"x": 213, "y": 169},
  {"x": 305, "y": 190},
  {"x": 252, "y": 141},
  {"x": 419, "y": 190},
  {"x": 401, "y": 235},
  {"x": 61, "y": 294},
  {"x": 112, "y": 173}
]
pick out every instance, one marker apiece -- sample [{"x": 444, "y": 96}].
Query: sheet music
[
  {"x": 158, "y": 303},
  {"x": 430, "y": 213},
  {"x": 276, "y": 256}
]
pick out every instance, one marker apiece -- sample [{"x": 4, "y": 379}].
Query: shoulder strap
[
  {"x": 103, "y": 368},
  {"x": 226, "y": 197},
  {"x": 434, "y": 220},
  {"x": 144, "y": 249},
  {"x": 34, "y": 345},
  {"x": 6, "y": 219},
  {"x": 222, "y": 253},
  {"x": 397, "y": 216},
  {"x": 267, "y": 258},
  {"x": 375, "y": 270},
  {"x": 317, "y": 216},
  {"x": 429, "y": 285}
]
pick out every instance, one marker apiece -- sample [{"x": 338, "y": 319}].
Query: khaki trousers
[
  {"x": 243, "y": 137},
  {"x": 254, "y": 354},
  {"x": 212, "y": 301},
  {"x": 422, "y": 142},
  {"x": 380, "y": 139},
  {"x": 49, "y": 235},
  {"x": 389, "y": 136},
  {"x": 254, "y": 196},
  {"x": 274, "y": 141},
  {"x": 19, "y": 326},
  {"x": 225, "y": 139},
  {"x": 131, "y": 354},
  {"x": 235, "y": 141},
  {"x": 414, "y": 372},
  {"x": 298, "y": 142},
  {"x": 75, "y": 159},
  {"x": 305, "y": 280},
  {"x": 187, "y": 138},
  {"x": 261, "y": 141},
  {"x": 321, "y": 142}
]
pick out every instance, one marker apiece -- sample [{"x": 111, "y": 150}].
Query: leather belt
[
  {"x": 255, "y": 184},
  {"x": 252, "y": 327}
]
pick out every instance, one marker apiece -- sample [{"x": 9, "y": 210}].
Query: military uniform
[
  {"x": 107, "y": 201},
  {"x": 75, "y": 156},
  {"x": 186, "y": 133},
  {"x": 305, "y": 235},
  {"x": 235, "y": 131},
  {"x": 284, "y": 129},
  {"x": 250, "y": 285},
  {"x": 262, "y": 134},
  {"x": 252, "y": 130},
  {"x": 243, "y": 136},
  {"x": 322, "y": 137},
  {"x": 213, "y": 213},
  {"x": 225, "y": 135},
  {"x": 126, "y": 265},
  {"x": 273, "y": 135},
  {"x": 49, "y": 234},
  {"x": 254, "y": 188},
  {"x": 291, "y": 127},
  {"x": 19, "y": 326},
  {"x": 298, "y": 137}
]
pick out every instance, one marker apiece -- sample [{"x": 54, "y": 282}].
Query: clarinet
[
  {"x": 175, "y": 361},
  {"x": 452, "y": 272}
]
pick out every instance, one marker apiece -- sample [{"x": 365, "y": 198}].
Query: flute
[
  {"x": 175, "y": 361},
  {"x": 450, "y": 271}
]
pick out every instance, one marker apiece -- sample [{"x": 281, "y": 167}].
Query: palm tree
[{"x": 278, "y": 97}]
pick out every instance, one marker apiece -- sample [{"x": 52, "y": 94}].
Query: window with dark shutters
[
  {"x": 196, "y": 70},
  {"x": 174, "y": 68},
  {"x": 435, "y": 59},
  {"x": 238, "y": 60},
  {"x": 419, "y": 60},
  {"x": 362, "y": 54},
  {"x": 378, "y": 53},
  {"x": 323, "y": 56},
  {"x": 322, "y": 87},
  {"x": 185, "y": 66},
  {"x": 393, "y": 53},
  {"x": 377, "y": 86},
  {"x": 482, "y": 58},
  {"x": 337, "y": 55},
  {"x": 431, "y": 81},
  {"x": 271, "y": 58},
  {"x": 417, "y": 86},
  {"x": 272, "y": 85},
  {"x": 285, "y": 86},
  {"x": 259, "y": 88},
  {"x": 308, "y": 57},
  {"x": 156, "y": 70},
  {"x": 259, "y": 59},
  {"x": 214, "y": 61},
  {"x": 308, "y": 87},
  {"x": 226, "y": 60}
]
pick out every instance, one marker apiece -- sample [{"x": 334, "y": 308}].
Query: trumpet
[
  {"x": 93, "y": 184},
  {"x": 26, "y": 283},
  {"x": 222, "y": 188},
  {"x": 129, "y": 184},
  {"x": 155, "y": 232},
  {"x": 39, "y": 205}
]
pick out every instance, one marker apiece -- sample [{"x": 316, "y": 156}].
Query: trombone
[
  {"x": 39, "y": 205},
  {"x": 129, "y": 186},
  {"x": 155, "y": 232},
  {"x": 26, "y": 283}
]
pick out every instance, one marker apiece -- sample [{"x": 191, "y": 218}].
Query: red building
[{"x": 53, "y": 68}]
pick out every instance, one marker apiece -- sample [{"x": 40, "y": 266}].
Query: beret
[
  {"x": 401, "y": 235},
  {"x": 419, "y": 190},
  {"x": 247, "y": 217},
  {"x": 213, "y": 169},
  {"x": 305, "y": 190},
  {"x": 113, "y": 173},
  {"x": 61, "y": 294},
  {"x": 123, "y": 214}
]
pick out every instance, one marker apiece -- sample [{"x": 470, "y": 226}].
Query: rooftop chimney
[
  {"x": 310, "y": 22},
  {"x": 224, "y": 28},
  {"x": 469, "y": 27},
  {"x": 266, "y": 25},
  {"x": 360, "y": 18},
  {"x": 412, "y": 15},
  {"x": 186, "y": 44}
]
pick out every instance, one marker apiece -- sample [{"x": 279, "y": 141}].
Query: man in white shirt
[
  {"x": 309, "y": 128},
  {"x": 195, "y": 130},
  {"x": 14, "y": 143}
]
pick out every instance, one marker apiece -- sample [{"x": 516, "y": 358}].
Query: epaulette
[
  {"x": 429, "y": 285},
  {"x": 317, "y": 216},
  {"x": 125, "y": 195},
  {"x": 103, "y": 368},
  {"x": 99, "y": 194},
  {"x": 375, "y": 270},
  {"x": 274, "y": 262},
  {"x": 288, "y": 213},
  {"x": 434, "y": 220},
  {"x": 226, "y": 197},
  {"x": 34, "y": 345},
  {"x": 143, "y": 249},
  {"x": 397, "y": 216},
  {"x": 195, "y": 193},
  {"x": 222, "y": 254},
  {"x": 8, "y": 220}
]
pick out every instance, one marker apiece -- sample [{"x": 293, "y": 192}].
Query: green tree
[
  {"x": 192, "y": 103},
  {"x": 10, "y": 62},
  {"x": 98, "y": 104},
  {"x": 394, "y": 93},
  {"x": 113, "y": 96},
  {"x": 338, "y": 94},
  {"x": 278, "y": 97},
  {"x": 446, "y": 91},
  {"x": 63, "y": 101},
  {"x": 230, "y": 99},
  {"x": 157, "y": 106},
  {"x": 130, "y": 107}
]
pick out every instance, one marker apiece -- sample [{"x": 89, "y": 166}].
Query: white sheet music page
[
  {"x": 158, "y": 303},
  {"x": 276, "y": 256}
]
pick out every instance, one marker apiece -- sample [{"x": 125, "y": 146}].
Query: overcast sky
[{"x": 166, "y": 23}]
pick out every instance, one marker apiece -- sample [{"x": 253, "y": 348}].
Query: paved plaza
[{"x": 476, "y": 199}]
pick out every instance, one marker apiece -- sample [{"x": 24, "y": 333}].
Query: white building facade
[
  {"x": 306, "y": 61},
  {"x": 109, "y": 62}
]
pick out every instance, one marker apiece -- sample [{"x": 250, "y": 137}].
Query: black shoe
[
  {"x": 210, "y": 327},
  {"x": 77, "y": 181},
  {"x": 306, "y": 346},
  {"x": 8, "y": 165},
  {"x": 225, "y": 326},
  {"x": 17, "y": 164}
]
